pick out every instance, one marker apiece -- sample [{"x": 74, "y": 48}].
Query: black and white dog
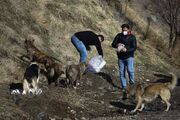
[{"x": 31, "y": 78}]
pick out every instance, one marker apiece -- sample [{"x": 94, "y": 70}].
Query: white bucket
[{"x": 96, "y": 64}]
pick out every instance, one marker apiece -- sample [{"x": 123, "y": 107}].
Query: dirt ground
[{"x": 97, "y": 98}]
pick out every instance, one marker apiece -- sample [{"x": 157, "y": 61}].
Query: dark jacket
[
  {"x": 90, "y": 38},
  {"x": 130, "y": 44}
]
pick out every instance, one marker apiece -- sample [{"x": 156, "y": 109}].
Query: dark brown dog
[
  {"x": 74, "y": 73},
  {"x": 148, "y": 92},
  {"x": 35, "y": 54}
]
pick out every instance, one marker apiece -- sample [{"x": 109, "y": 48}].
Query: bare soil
[{"x": 98, "y": 97}]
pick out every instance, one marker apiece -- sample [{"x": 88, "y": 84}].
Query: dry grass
[{"x": 52, "y": 23}]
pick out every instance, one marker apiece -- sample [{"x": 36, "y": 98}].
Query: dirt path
[{"x": 98, "y": 98}]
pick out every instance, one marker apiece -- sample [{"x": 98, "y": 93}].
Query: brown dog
[
  {"x": 35, "y": 54},
  {"x": 54, "y": 71},
  {"x": 148, "y": 92},
  {"x": 53, "y": 66},
  {"x": 74, "y": 73}
]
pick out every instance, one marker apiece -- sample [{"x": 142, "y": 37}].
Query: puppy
[
  {"x": 31, "y": 78},
  {"x": 74, "y": 73},
  {"x": 146, "y": 93}
]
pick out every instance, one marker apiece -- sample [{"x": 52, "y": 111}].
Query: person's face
[
  {"x": 125, "y": 29},
  {"x": 100, "y": 39}
]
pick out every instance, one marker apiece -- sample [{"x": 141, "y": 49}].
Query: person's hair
[
  {"x": 125, "y": 26},
  {"x": 101, "y": 37}
]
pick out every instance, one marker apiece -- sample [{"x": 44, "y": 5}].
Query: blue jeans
[
  {"x": 80, "y": 48},
  {"x": 129, "y": 65}
]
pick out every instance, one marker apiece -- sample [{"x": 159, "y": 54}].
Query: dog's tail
[{"x": 173, "y": 82}]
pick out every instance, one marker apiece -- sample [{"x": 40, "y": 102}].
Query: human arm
[
  {"x": 115, "y": 41},
  {"x": 133, "y": 45}
]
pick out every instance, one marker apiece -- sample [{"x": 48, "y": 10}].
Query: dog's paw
[
  {"x": 166, "y": 110},
  {"x": 38, "y": 91},
  {"x": 16, "y": 91},
  {"x": 24, "y": 93},
  {"x": 140, "y": 110},
  {"x": 133, "y": 111}
]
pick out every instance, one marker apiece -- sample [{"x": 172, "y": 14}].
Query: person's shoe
[{"x": 124, "y": 96}]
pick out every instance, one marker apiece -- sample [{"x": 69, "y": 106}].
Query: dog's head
[
  {"x": 28, "y": 42},
  {"x": 135, "y": 90},
  {"x": 130, "y": 91},
  {"x": 42, "y": 67},
  {"x": 49, "y": 63}
]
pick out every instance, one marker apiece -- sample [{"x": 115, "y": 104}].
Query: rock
[
  {"x": 89, "y": 83},
  {"x": 110, "y": 106},
  {"x": 73, "y": 111},
  {"x": 83, "y": 118},
  {"x": 42, "y": 116},
  {"x": 100, "y": 88},
  {"x": 102, "y": 102},
  {"x": 101, "y": 94},
  {"x": 66, "y": 119}
]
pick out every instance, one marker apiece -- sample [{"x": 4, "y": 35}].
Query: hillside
[{"x": 52, "y": 23}]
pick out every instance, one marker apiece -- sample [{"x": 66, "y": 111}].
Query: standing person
[
  {"x": 125, "y": 43},
  {"x": 82, "y": 41}
]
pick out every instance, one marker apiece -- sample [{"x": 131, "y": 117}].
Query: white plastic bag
[{"x": 96, "y": 64}]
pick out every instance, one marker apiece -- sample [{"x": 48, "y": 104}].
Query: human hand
[
  {"x": 124, "y": 50},
  {"x": 120, "y": 47}
]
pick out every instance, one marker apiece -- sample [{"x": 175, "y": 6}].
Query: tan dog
[
  {"x": 74, "y": 73},
  {"x": 148, "y": 92},
  {"x": 31, "y": 78}
]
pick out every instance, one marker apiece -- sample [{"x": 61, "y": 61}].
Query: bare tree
[{"x": 170, "y": 12}]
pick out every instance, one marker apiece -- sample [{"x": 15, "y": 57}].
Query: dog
[
  {"x": 31, "y": 78},
  {"x": 34, "y": 54},
  {"x": 54, "y": 68},
  {"x": 74, "y": 73},
  {"x": 146, "y": 93},
  {"x": 54, "y": 71},
  {"x": 16, "y": 88}
]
